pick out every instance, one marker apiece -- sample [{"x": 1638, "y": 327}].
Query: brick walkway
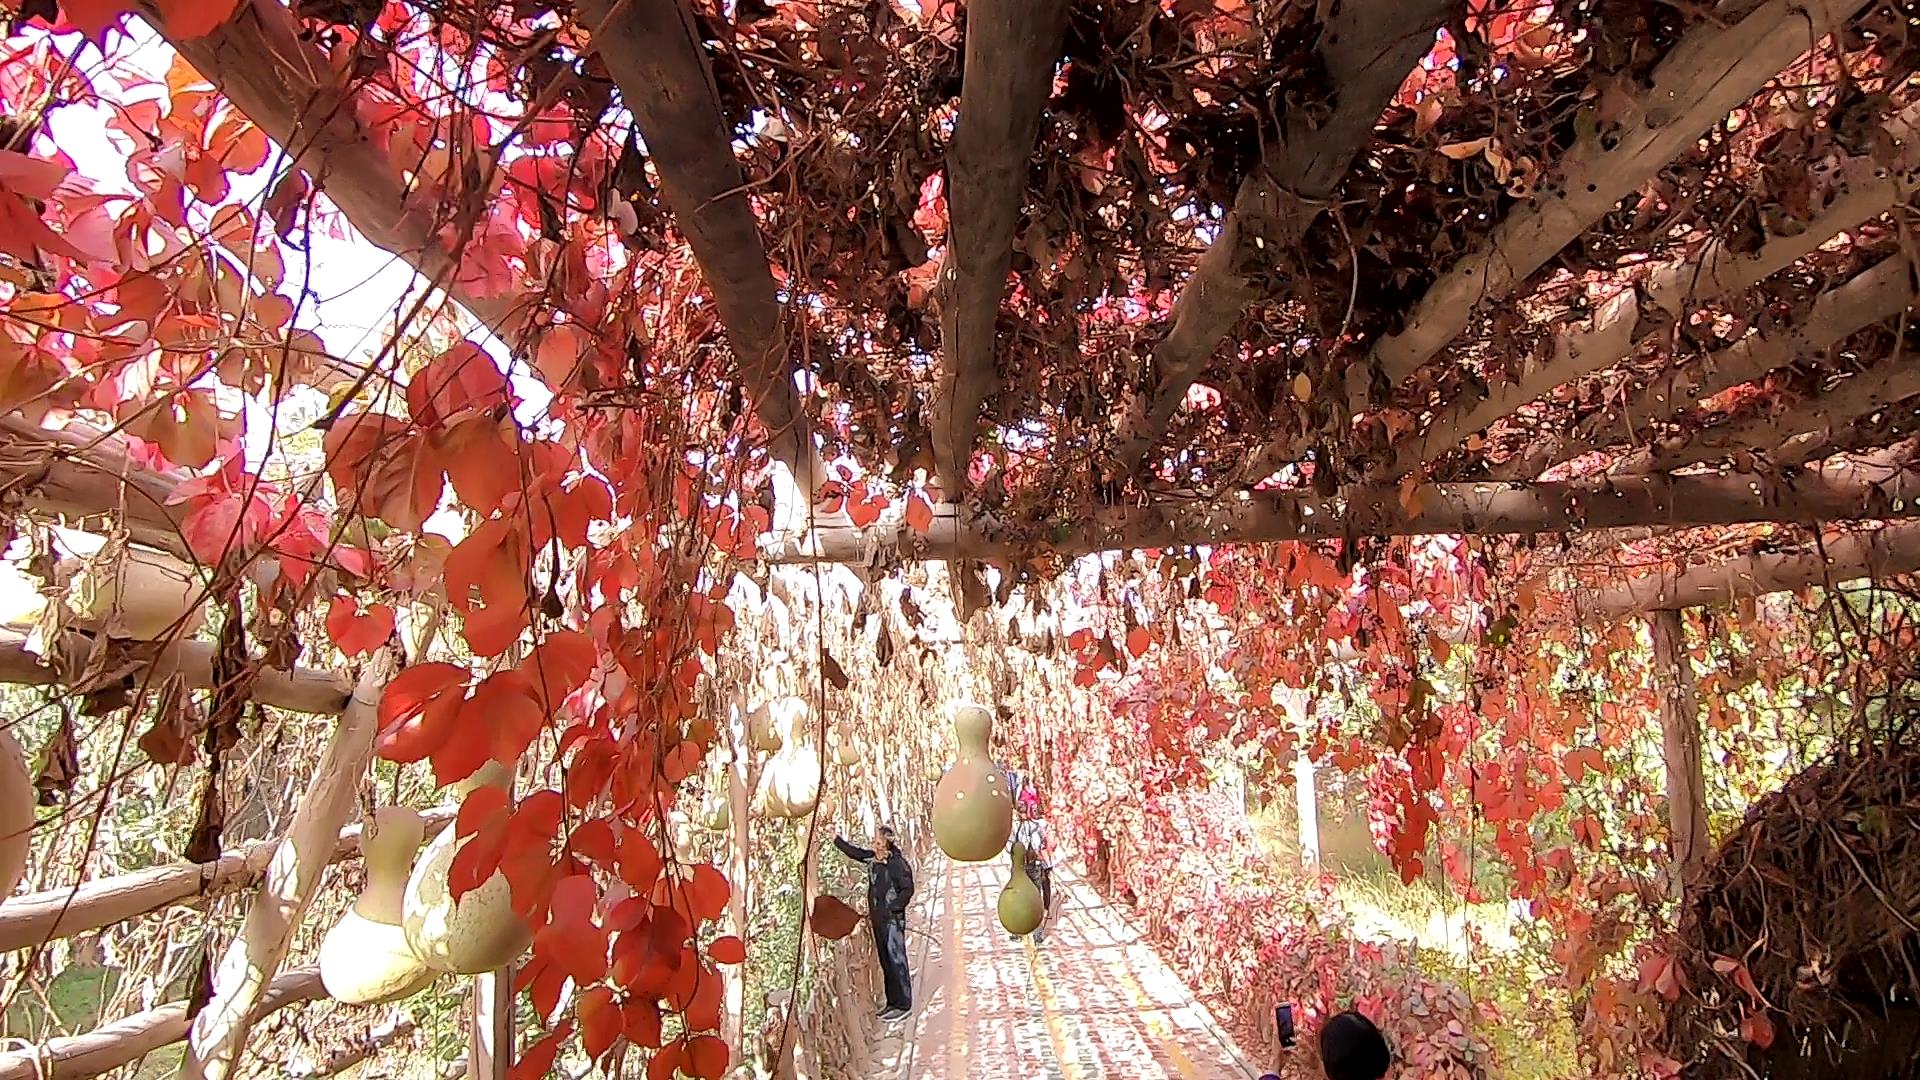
[{"x": 1093, "y": 1002}]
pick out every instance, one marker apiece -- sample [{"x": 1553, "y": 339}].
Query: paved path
[{"x": 1094, "y": 1002}]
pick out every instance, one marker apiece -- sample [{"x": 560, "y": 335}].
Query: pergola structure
[
  {"x": 1210, "y": 272},
  {"x": 1083, "y": 276}
]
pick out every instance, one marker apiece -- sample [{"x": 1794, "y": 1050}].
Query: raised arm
[{"x": 853, "y": 851}]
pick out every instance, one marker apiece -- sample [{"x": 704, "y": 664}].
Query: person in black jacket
[{"x": 889, "y": 888}]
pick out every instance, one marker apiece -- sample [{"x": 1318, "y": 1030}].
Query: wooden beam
[
  {"x": 300, "y": 690},
  {"x": 1638, "y": 318},
  {"x": 1869, "y": 488},
  {"x": 1011, "y": 51},
  {"x": 654, "y": 51},
  {"x": 80, "y": 471},
  {"x": 219, "y": 1035},
  {"x": 1711, "y": 71},
  {"x": 1804, "y": 423},
  {"x": 36, "y": 918},
  {"x": 1871, "y": 296},
  {"x": 1875, "y": 553},
  {"x": 1689, "y": 837},
  {"x": 284, "y": 82},
  {"x": 125, "y": 1041},
  {"x": 1367, "y": 50}
]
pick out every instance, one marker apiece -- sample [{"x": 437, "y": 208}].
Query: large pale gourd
[
  {"x": 771, "y": 726},
  {"x": 155, "y": 596},
  {"x": 365, "y": 959},
  {"x": 972, "y": 810},
  {"x": 17, "y": 799},
  {"x": 793, "y": 782},
  {"x": 479, "y": 934},
  {"x": 1021, "y": 908},
  {"x": 716, "y": 808}
]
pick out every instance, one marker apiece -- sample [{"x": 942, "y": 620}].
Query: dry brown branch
[
  {"x": 112, "y": 1045},
  {"x": 1879, "y": 293},
  {"x": 1883, "y": 486},
  {"x": 293, "y": 875},
  {"x": 1368, "y": 50},
  {"x": 1709, "y": 73},
  {"x": 1012, "y": 46},
  {"x": 26, "y": 921},
  {"x": 301, "y": 690},
  {"x": 653, "y": 50},
  {"x": 1626, "y": 324},
  {"x": 1874, "y": 553}
]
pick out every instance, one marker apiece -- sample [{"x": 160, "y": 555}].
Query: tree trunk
[{"x": 1680, "y": 748}]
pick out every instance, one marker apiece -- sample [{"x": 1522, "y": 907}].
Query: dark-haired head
[
  {"x": 1351, "y": 1048},
  {"x": 883, "y": 839}
]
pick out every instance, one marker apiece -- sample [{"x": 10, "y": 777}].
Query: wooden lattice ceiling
[{"x": 1142, "y": 263}]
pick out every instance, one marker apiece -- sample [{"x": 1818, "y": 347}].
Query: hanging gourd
[
  {"x": 972, "y": 810},
  {"x": 365, "y": 959},
  {"x": 793, "y": 776},
  {"x": 844, "y": 752},
  {"x": 1020, "y": 905},
  {"x": 761, "y": 734},
  {"x": 17, "y": 800},
  {"x": 137, "y": 594},
  {"x": 481, "y": 932},
  {"x": 716, "y": 806}
]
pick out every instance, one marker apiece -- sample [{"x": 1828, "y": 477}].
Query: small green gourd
[
  {"x": 364, "y": 959},
  {"x": 1020, "y": 905}
]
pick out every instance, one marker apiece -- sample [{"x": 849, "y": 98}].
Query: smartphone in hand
[{"x": 1283, "y": 1022}]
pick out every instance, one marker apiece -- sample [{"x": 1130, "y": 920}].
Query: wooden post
[
  {"x": 1680, "y": 748},
  {"x": 1305, "y": 797},
  {"x": 490, "y": 1040},
  {"x": 739, "y": 836},
  {"x": 219, "y": 1033}
]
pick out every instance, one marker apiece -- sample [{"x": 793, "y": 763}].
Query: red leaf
[
  {"x": 919, "y": 514},
  {"x": 536, "y": 1061},
  {"x": 483, "y": 805},
  {"x": 727, "y": 950},
  {"x": 477, "y": 860},
  {"x": 574, "y": 899},
  {"x": 503, "y": 709},
  {"x": 464, "y": 377},
  {"x": 706, "y": 1057},
  {"x": 642, "y": 1022},
  {"x": 665, "y": 1062},
  {"x": 418, "y": 710},
  {"x": 559, "y": 665},
  {"x": 864, "y": 512},
  {"x": 600, "y": 1021},
  {"x": 707, "y": 894},
  {"x": 1757, "y": 1029},
  {"x": 832, "y": 919},
  {"x": 481, "y": 455},
  {"x": 355, "y": 633},
  {"x": 1139, "y": 640}
]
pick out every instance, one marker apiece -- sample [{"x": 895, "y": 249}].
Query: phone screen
[{"x": 1283, "y": 1022}]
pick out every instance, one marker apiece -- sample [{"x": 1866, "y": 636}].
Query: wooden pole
[
  {"x": 1876, "y": 553},
  {"x": 1305, "y": 796},
  {"x": 1680, "y": 748},
  {"x": 36, "y": 918},
  {"x": 219, "y": 1034},
  {"x": 124, "y": 1041}
]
